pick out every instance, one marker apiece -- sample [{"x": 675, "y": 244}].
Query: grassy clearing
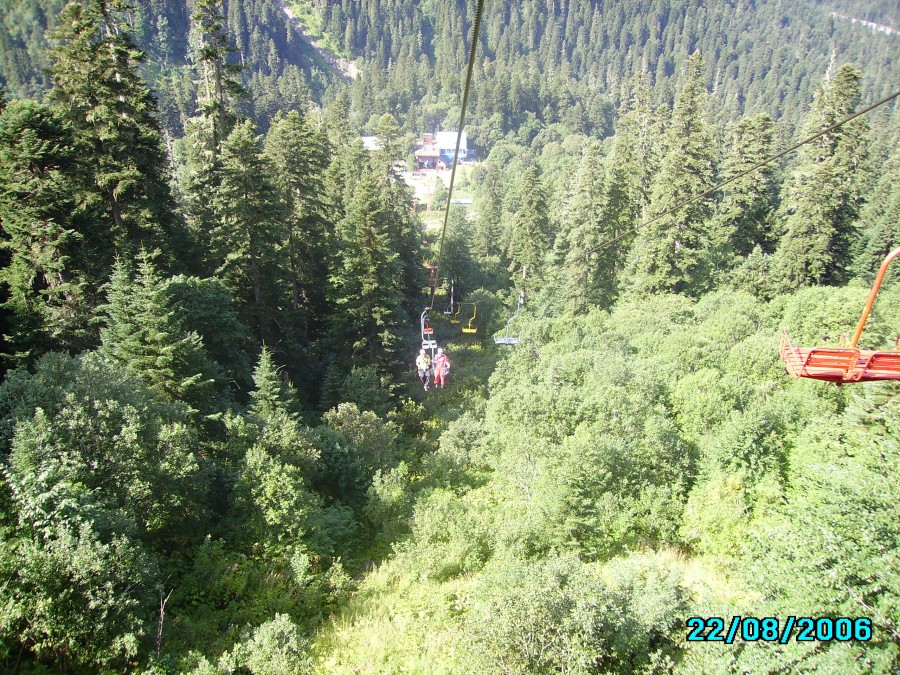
[{"x": 395, "y": 625}]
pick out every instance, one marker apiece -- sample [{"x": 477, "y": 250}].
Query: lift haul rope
[
  {"x": 744, "y": 173},
  {"x": 479, "y": 7}
]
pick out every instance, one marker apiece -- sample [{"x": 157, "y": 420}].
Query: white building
[{"x": 446, "y": 143}]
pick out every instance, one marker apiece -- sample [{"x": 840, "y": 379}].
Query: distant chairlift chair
[
  {"x": 506, "y": 339},
  {"x": 428, "y": 341},
  {"x": 845, "y": 364},
  {"x": 470, "y": 327},
  {"x": 453, "y": 309}
]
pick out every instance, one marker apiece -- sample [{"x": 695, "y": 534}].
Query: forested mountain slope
[
  {"x": 281, "y": 70},
  {"x": 545, "y": 61},
  {"x": 633, "y": 468}
]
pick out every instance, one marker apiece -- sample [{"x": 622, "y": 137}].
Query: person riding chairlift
[
  {"x": 423, "y": 364},
  {"x": 441, "y": 368}
]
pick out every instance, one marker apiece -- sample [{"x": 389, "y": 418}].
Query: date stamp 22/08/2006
[{"x": 772, "y": 629}]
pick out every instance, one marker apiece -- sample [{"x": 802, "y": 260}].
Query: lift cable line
[
  {"x": 479, "y": 7},
  {"x": 761, "y": 164}
]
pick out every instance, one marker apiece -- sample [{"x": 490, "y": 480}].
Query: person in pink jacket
[{"x": 441, "y": 368}]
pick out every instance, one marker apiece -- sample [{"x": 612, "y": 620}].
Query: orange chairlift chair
[{"x": 845, "y": 364}]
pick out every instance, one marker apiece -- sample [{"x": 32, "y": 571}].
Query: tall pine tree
[
  {"x": 821, "y": 205},
  {"x": 299, "y": 159},
  {"x": 44, "y": 269},
  {"x": 743, "y": 215},
  {"x": 531, "y": 235},
  {"x": 368, "y": 279},
  {"x": 140, "y": 332},
  {"x": 220, "y": 90},
  {"x": 118, "y": 141},
  {"x": 248, "y": 240},
  {"x": 878, "y": 223},
  {"x": 667, "y": 255},
  {"x": 581, "y": 234}
]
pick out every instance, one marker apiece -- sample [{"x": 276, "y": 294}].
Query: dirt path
[{"x": 346, "y": 69}]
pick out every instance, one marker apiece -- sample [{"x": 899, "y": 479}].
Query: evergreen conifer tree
[
  {"x": 199, "y": 173},
  {"x": 531, "y": 236},
  {"x": 249, "y": 236},
  {"x": 581, "y": 233},
  {"x": 220, "y": 89},
  {"x": 368, "y": 279},
  {"x": 486, "y": 238},
  {"x": 298, "y": 161},
  {"x": 139, "y": 332},
  {"x": 878, "y": 223},
  {"x": 638, "y": 150},
  {"x": 667, "y": 255},
  {"x": 272, "y": 396},
  {"x": 44, "y": 270},
  {"x": 404, "y": 228},
  {"x": 118, "y": 140},
  {"x": 820, "y": 207},
  {"x": 742, "y": 218},
  {"x": 457, "y": 267}
]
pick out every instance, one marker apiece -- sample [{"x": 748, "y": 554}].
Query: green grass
[
  {"x": 397, "y": 624},
  {"x": 394, "y": 624}
]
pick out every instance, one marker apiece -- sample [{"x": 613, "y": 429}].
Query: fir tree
[
  {"x": 272, "y": 397},
  {"x": 199, "y": 176},
  {"x": 638, "y": 149},
  {"x": 220, "y": 87},
  {"x": 581, "y": 234},
  {"x": 820, "y": 207},
  {"x": 118, "y": 141},
  {"x": 485, "y": 240},
  {"x": 404, "y": 228},
  {"x": 878, "y": 224},
  {"x": 530, "y": 239},
  {"x": 298, "y": 160},
  {"x": 368, "y": 278},
  {"x": 393, "y": 145},
  {"x": 248, "y": 238},
  {"x": 667, "y": 254},
  {"x": 45, "y": 272},
  {"x": 140, "y": 332},
  {"x": 457, "y": 267},
  {"x": 742, "y": 219}
]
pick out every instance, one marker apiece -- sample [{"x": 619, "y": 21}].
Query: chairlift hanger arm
[{"x": 873, "y": 294}]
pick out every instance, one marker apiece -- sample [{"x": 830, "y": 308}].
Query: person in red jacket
[{"x": 441, "y": 368}]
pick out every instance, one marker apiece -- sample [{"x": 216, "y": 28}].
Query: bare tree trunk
[{"x": 162, "y": 618}]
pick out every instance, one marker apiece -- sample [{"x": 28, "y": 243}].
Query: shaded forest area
[
  {"x": 544, "y": 64},
  {"x": 216, "y": 457}
]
